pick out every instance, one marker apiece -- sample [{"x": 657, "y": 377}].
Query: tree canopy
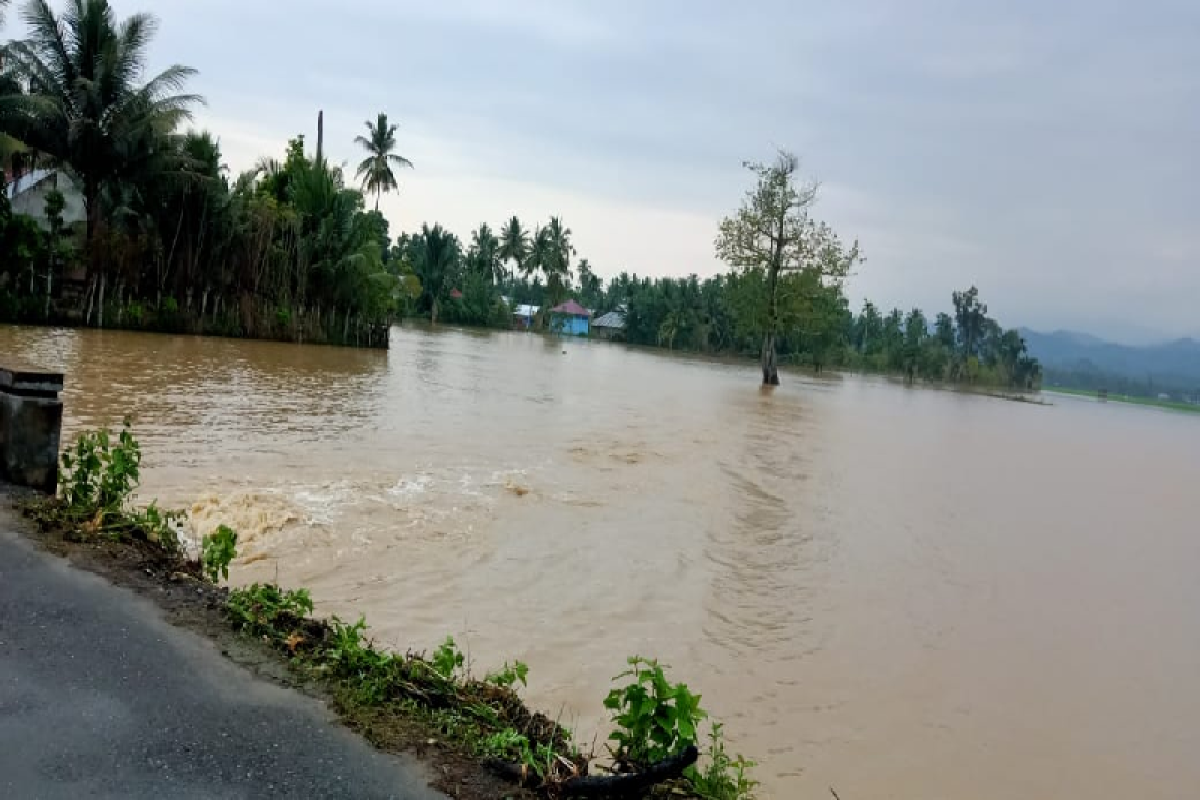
[{"x": 782, "y": 251}]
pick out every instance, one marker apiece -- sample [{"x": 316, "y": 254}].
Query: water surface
[{"x": 899, "y": 593}]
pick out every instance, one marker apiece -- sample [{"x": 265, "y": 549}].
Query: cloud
[{"x": 1042, "y": 151}]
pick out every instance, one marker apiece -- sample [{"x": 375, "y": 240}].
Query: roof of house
[
  {"x": 27, "y": 181},
  {"x": 572, "y": 308},
  {"x": 613, "y": 319}
]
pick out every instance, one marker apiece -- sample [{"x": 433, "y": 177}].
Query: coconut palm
[
  {"x": 514, "y": 244},
  {"x": 375, "y": 171},
  {"x": 84, "y": 107},
  {"x": 539, "y": 254},
  {"x": 436, "y": 252},
  {"x": 484, "y": 254},
  {"x": 557, "y": 262}
]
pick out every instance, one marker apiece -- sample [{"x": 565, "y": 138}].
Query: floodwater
[{"x": 896, "y": 593}]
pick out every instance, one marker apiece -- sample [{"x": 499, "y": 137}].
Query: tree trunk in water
[
  {"x": 100, "y": 304},
  {"x": 433, "y": 313},
  {"x": 49, "y": 276},
  {"x": 91, "y": 203},
  {"x": 770, "y": 369},
  {"x": 346, "y": 327},
  {"x": 91, "y": 297}
]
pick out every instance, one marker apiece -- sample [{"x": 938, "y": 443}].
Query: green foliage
[
  {"x": 267, "y": 610},
  {"x": 158, "y": 525},
  {"x": 135, "y": 313},
  {"x": 83, "y": 107},
  {"x": 217, "y": 550},
  {"x": 654, "y": 718},
  {"x": 510, "y": 745},
  {"x": 286, "y": 250},
  {"x": 96, "y": 480},
  {"x": 483, "y": 717},
  {"x": 723, "y": 777},
  {"x": 507, "y": 676},
  {"x": 447, "y": 659},
  {"x": 98, "y": 474},
  {"x": 774, "y": 237},
  {"x": 968, "y": 347}
]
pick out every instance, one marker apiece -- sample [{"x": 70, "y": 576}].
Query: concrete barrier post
[{"x": 30, "y": 426}]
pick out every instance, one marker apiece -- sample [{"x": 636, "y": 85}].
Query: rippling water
[{"x": 898, "y": 593}]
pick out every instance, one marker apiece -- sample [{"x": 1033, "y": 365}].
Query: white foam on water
[{"x": 411, "y": 487}]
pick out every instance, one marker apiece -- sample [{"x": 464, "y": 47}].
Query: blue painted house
[{"x": 570, "y": 319}]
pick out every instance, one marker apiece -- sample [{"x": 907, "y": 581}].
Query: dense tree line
[
  {"x": 170, "y": 240},
  {"x": 783, "y": 298},
  {"x": 721, "y": 314}
]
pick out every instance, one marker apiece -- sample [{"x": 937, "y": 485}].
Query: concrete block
[{"x": 30, "y": 426}]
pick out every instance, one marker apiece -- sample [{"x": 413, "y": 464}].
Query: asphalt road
[{"x": 100, "y": 697}]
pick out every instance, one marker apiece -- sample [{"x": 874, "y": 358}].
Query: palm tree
[
  {"x": 673, "y": 323},
  {"x": 436, "y": 257},
  {"x": 557, "y": 263},
  {"x": 484, "y": 254},
  {"x": 539, "y": 254},
  {"x": 84, "y": 107},
  {"x": 514, "y": 244},
  {"x": 376, "y": 169}
]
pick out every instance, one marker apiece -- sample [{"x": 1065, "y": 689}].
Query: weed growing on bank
[
  {"x": 217, "y": 551},
  {"x": 97, "y": 478},
  {"x": 656, "y": 723}
]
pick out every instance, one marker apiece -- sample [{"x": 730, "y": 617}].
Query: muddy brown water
[{"x": 897, "y": 593}]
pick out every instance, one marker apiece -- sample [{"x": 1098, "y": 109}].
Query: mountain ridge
[{"x": 1175, "y": 362}]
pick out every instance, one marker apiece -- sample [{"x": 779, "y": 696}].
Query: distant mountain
[{"x": 1174, "y": 363}]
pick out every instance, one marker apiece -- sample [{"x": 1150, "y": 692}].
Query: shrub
[
  {"x": 98, "y": 475},
  {"x": 507, "y": 676},
  {"x": 654, "y": 718},
  {"x": 160, "y": 526},
  {"x": 447, "y": 659},
  {"x": 134, "y": 313},
  {"x": 217, "y": 550},
  {"x": 723, "y": 777},
  {"x": 267, "y": 610}
]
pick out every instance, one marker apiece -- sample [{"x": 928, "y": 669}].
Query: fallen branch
[{"x": 621, "y": 785}]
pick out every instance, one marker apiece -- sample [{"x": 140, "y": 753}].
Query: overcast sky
[{"x": 1046, "y": 151}]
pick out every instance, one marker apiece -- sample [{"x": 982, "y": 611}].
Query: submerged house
[
  {"x": 570, "y": 319},
  {"x": 610, "y": 325},
  {"x": 523, "y": 316},
  {"x": 27, "y": 194}
]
